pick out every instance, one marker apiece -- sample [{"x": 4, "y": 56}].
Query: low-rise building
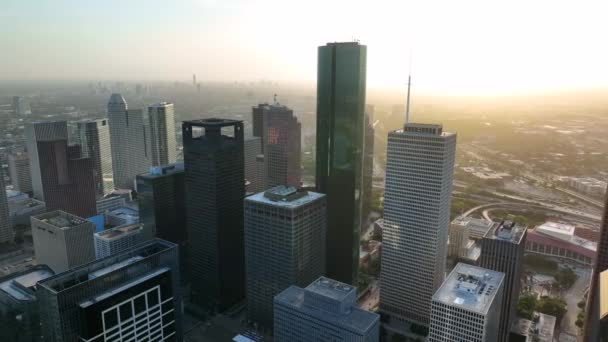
[
  {"x": 122, "y": 216},
  {"x": 540, "y": 329},
  {"x": 557, "y": 239},
  {"x": 116, "y": 240}
]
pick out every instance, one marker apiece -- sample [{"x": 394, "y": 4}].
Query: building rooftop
[
  {"x": 423, "y": 129},
  {"x": 470, "y": 287},
  {"x": 117, "y": 99},
  {"x": 559, "y": 230},
  {"x": 161, "y": 171},
  {"x": 105, "y": 266},
  {"x": 118, "y": 232},
  {"x": 540, "y": 329},
  {"x": 60, "y": 219},
  {"x": 213, "y": 122},
  {"x": 330, "y": 301},
  {"x": 20, "y": 286},
  {"x": 506, "y": 231},
  {"x": 286, "y": 197},
  {"x": 128, "y": 214},
  {"x": 160, "y": 104}
]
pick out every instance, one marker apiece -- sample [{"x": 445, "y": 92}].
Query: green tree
[
  {"x": 565, "y": 278},
  {"x": 526, "y": 306},
  {"x": 552, "y": 306}
]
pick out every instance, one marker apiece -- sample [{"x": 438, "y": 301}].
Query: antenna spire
[{"x": 409, "y": 85}]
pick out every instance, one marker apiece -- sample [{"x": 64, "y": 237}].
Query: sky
[{"x": 465, "y": 46}]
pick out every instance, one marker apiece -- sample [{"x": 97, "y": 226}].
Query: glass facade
[{"x": 340, "y": 131}]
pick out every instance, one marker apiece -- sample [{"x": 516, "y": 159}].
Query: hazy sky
[{"x": 458, "y": 45}]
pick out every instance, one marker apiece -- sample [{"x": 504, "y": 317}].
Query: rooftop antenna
[
  {"x": 275, "y": 99},
  {"x": 409, "y": 85}
]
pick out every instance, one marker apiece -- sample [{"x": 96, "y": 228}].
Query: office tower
[
  {"x": 459, "y": 237},
  {"x": 94, "y": 136},
  {"x": 592, "y": 325},
  {"x": 122, "y": 216},
  {"x": 368, "y": 165},
  {"x": 19, "y": 309},
  {"x": 419, "y": 172},
  {"x": 253, "y": 148},
  {"x": 116, "y": 240},
  {"x": 68, "y": 180},
  {"x": 326, "y": 310},
  {"x": 341, "y": 72},
  {"x": 467, "y": 306},
  {"x": 21, "y": 106},
  {"x": 284, "y": 245},
  {"x": 62, "y": 241},
  {"x": 162, "y": 207},
  {"x": 131, "y": 296},
  {"x": 502, "y": 250},
  {"x": 41, "y": 132},
  {"x": 162, "y": 133},
  {"x": 215, "y": 181},
  {"x": 129, "y": 141},
  {"x": 281, "y": 144},
  {"x": 603, "y": 310},
  {"x": 19, "y": 171},
  {"x": 6, "y": 229}
]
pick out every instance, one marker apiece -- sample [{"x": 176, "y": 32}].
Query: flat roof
[
  {"x": 212, "y": 122},
  {"x": 470, "y": 287},
  {"x": 163, "y": 171},
  {"x": 114, "y": 233},
  {"x": 285, "y": 196},
  {"x": 124, "y": 211},
  {"x": 60, "y": 219},
  {"x": 506, "y": 231},
  {"x": 18, "y": 285},
  {"x": 557, "y": 227},
  {"x": 331, "y": 289},
  {"x": 160, "y": 104}
]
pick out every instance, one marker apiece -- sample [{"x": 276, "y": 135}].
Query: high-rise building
[
  {"x": 368, "y": 164},
  {"x": 115, "y": 240},
  {"x": 62, "y": 241},
  {"x": 162, "y": 133},
  {"x": 284, "y": 245},
  {"x": 592, "y": 324},
  {"x": 326, "y": 310},
  {"x": 41, "y": 132},
  {"x": 502, "y": 250},
  {"x": 130, "y": 154},
  {"x": 6, "y": 228},
  {"x": 341, "y": 85},
  {"x": 162, "y": 207},
  {"x": 467, "y": 306},
  {"x": 253, "y": 148},
  {"x": 19, "y": 171},
  {"x": 419, "y": 173},
  {"x": 281, "y": 144},
  {"x": 68, "y": 180},
  {"x": 459, "y": 237},
  {"x": 215, "y": 181},
  {"x": 603, "y": 307},
  {"x": 19, "y": 308},
  {"x": 21, "y": 106},
  {"x": 131, "y": 296},
  {"x": 94, "y": 137}
]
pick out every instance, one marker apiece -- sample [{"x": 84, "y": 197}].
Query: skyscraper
[
  {"x": 94, "y": 138},
  {"x": 281, "y": 144},
  {"x": 162, "y": 133},
  {"x": 253, "y": 148},
  {"x": 162, "y": 208},
  {"x": 131, "y": 296},
  {"x": 19, "y": 171},
  {"x": 215, "y": 181},
  {"x": 67, "y": 179},
  {"x": 62, "y": 241},
  {"x": 467, "y": 306},
  {"x": 21, "y": 106},
  {"x": 41, "y": 132},
  {"x": 502, "y": 250},
  {"x": 130, "y": 155},
  {"x": 592, "y": 324},
  {"x": 419, "y": 173},
  {"x": 326, "y": 310},
  {"x": 6, "y": 228},
  {"x": 341, "y": 72},
  {"x": 284, "y": 245},
  {"x": 368, "y": 164}
]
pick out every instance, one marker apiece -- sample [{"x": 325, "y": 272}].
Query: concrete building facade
[
  {"x": 162, "y": 133},
  {"x": 115, "y": 240},
  {"x": 19, "y": 172},
  {"x": 95, "y": 144}
]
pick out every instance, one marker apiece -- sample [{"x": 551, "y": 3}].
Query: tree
[
  {"x": 565, "y": 278},
  {"x": 552, "y": 306},
  {"x": 526, "y": 306}
]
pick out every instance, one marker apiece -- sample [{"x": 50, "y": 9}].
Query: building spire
[{"x": 409, "y": 85}]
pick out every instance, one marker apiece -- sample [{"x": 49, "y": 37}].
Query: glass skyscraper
[{"x": 340, "y": 112}]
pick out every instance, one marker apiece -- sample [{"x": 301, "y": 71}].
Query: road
[
  {"x": 572, "y": 297},
  {"x": 582, "y": 197}
]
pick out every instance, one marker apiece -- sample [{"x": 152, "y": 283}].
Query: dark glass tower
[
  {"x": 340, "y": 111},
  {"x": 215, "y": 189}
]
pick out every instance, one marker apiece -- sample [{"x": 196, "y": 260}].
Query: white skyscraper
[
  {"x": 113, "y": 241},
  {"x": 94, "y": 138},
  {"x": 162, "y": 133},
  {"x": 419, "y": 172},
  {"x": 130, "y": 155},
  {"x": 34, "y": 134},
  {"x": 6, "y": 229},
  {"x": 467, "y": 306}
]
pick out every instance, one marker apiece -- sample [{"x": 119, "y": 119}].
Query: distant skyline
[{"x": 472, "y": 47}]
